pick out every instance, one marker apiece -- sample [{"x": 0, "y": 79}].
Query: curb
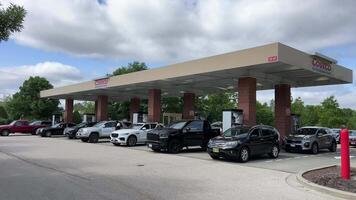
[{"x": 323, "y": 189}]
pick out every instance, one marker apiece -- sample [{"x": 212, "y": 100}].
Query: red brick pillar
[
  {"x": 188, "y": 105},
  {"x": 247, "y": 99},
  {"x": 68, "y": 112},
  {"x": 134, "y": 106},
  {"x": 154, "y": 105},
  {"x": 101, "y": 108},
  {"x": 282, "y": 109}
]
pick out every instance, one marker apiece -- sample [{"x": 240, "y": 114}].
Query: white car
[
  {"x": 135, "y": 135},
  {"x": 100, "y": 130}
]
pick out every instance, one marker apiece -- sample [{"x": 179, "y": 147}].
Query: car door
[
  {"x": 255, "y": 143},
  {"x": 267, "y": 139},
  {"x": 194, "y": 133},
  {"x": 143, "y": 132},
  {"x": 322, "y": 138},
  {"x": 18, "y": 127},
  {"x": 108, "y": 128}
]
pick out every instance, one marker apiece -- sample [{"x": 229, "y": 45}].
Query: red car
[{"x": 22, "y": 126}]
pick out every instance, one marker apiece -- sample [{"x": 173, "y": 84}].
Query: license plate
[
  {"x": 216, "y": 150},
  {"x": 150, "y": 145},
  {"x": 292, "y": 145}
]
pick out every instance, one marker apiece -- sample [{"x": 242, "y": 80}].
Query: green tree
[
  {"x": 211, "y": 106},
  {"x": 3, "y": 113},
  {"x": 297, "y": 106},
  {"x": 85, "y": 107},
  {"x": 330, "y": 114},
  {"x": 11, "y": 20},
  {"x": 131, "y": 67},
  {"x": 172, "y": 104},
  {"x": 27, "y": 102},
  {"x": 77, "y": 117},
  {"x": 264, "y": 114}
]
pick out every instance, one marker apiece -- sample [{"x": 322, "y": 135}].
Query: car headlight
[
  {"x": 163, "y": 135},
  {"x": 231, "y": 144}
]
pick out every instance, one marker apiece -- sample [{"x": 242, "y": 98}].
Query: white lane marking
[{"x": 339, "y": 157}]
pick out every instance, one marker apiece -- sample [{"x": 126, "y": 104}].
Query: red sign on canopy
[{"x": 101, "y": 83}]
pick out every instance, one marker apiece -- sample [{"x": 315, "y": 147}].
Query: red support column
[
  {"x": 134, "y": 106},
  {"x": 101, "y": 106},
  {"x": 154, "y": 105},
  {"x": 189, "y": 105},
  {"x": 282, "y": 109},
  {"x": 68, "y": 113},
  {"x": 247, "y": 99}
]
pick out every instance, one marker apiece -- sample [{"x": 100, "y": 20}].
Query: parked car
[
  {"x": 336, "y": 134},
  {"x": 100, "y": 130},
  {"x": 240, "y": 143},
  {"x": 57, "y": 129},
  {"x": 20, "y": 126},
  {"x": 71, "y": 132},
  {"x": 311, "y": 139},
  {"x": 135, "y": 135},
  {"x": 352, "y": 137},
  {"x": 181, "y": 134}
]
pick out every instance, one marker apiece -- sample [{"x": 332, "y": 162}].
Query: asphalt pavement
[{"x": 38, "y": 168}]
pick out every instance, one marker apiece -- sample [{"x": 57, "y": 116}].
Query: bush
[{"x": 4, "y": 121}]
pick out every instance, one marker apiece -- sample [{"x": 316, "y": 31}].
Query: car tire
[
  {"x": 244, "y": 154},
  {"x": 333, "y": 147},
  {"x": 274, "y": 151},
  {"x": 5, "y": 133},
  {"x": 93, "y": 138},
  {"x": 131, "y": 141},
  {"x": 48, "y": 134},
  {"x": 314, "y": 148},
  {"x": 174, "y": 146},
  {"x": 84, "y": 139}
]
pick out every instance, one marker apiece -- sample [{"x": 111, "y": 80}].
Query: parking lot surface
[{"x": 38, "y": 168}]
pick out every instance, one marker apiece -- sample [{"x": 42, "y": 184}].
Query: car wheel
[
  {"x": 174, "y": 146},
  {"x": 93, "y": 138},
  {"x": 84, "y": 139},
  {"x": 5, "y": 133},
  {"x": 333, "y": 147},
  {"x": 244, "y": 154},
  {"x": 314, "y": 148},
  {"x": 131, "y": 141},
  {"x": 48, "y": 134},
  {"x": 274, "y": 152}
]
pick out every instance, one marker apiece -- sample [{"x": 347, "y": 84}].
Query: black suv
[
  {"x": 181, "y": 134},
  {"x": 240, "y": 143}
]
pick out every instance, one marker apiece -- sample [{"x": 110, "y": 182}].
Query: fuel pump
[{"x": 232, "y": 118}]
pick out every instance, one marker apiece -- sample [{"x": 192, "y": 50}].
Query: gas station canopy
[{"x": 270, "y": 64}]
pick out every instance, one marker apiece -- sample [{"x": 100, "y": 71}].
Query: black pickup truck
[{"x": 181, "y": 134}]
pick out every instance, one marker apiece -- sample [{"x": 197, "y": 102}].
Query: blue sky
[{"x": 86, "y": 39}]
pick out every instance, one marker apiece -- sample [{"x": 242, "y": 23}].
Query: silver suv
[{"x": 312, "y": 139}]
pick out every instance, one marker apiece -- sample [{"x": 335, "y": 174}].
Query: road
[{"x": 38, "y": 168}]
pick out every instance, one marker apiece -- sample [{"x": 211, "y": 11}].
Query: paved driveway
[{"x": 38, "y": 168}]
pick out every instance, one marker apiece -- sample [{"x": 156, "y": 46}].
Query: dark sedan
[
  {"x": 240, "y": 143},
  {"x": 57, "y": 129},
  {"x": 71, "y": 132}
]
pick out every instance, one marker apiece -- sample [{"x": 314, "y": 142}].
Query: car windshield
[
  {"x": 178, "y": 125},
  {"x": 232, "y": 132},
  {"x": 56, "y": 126},
  {"x": 352, "y": 133},
  {"x": 306, "y": 131},
  {"x": 35, "y": 123},
  {"x": 13, "y": 123},
  {"x": 81, "y": 125},
  {"x": 137, "y": 126},
  {"x": 99, "y": 124}
]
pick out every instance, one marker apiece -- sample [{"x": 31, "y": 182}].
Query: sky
[{"x": 71, "y": 41}]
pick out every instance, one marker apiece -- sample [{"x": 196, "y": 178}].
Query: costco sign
[
  {"x": 100, "y": 83},
  {"x": 321, "y": 66}
]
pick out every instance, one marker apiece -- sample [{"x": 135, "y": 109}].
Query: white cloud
[
  {"x": 56, "y": 73},
  {"x": 160, "y": 30}
]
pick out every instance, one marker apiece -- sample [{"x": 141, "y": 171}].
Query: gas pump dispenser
[
  {"x": 232, "y": 118},
  {"x": 295, "y": 123}
]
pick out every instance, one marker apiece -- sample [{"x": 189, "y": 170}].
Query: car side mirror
[{"x": 186, "y": 130}]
